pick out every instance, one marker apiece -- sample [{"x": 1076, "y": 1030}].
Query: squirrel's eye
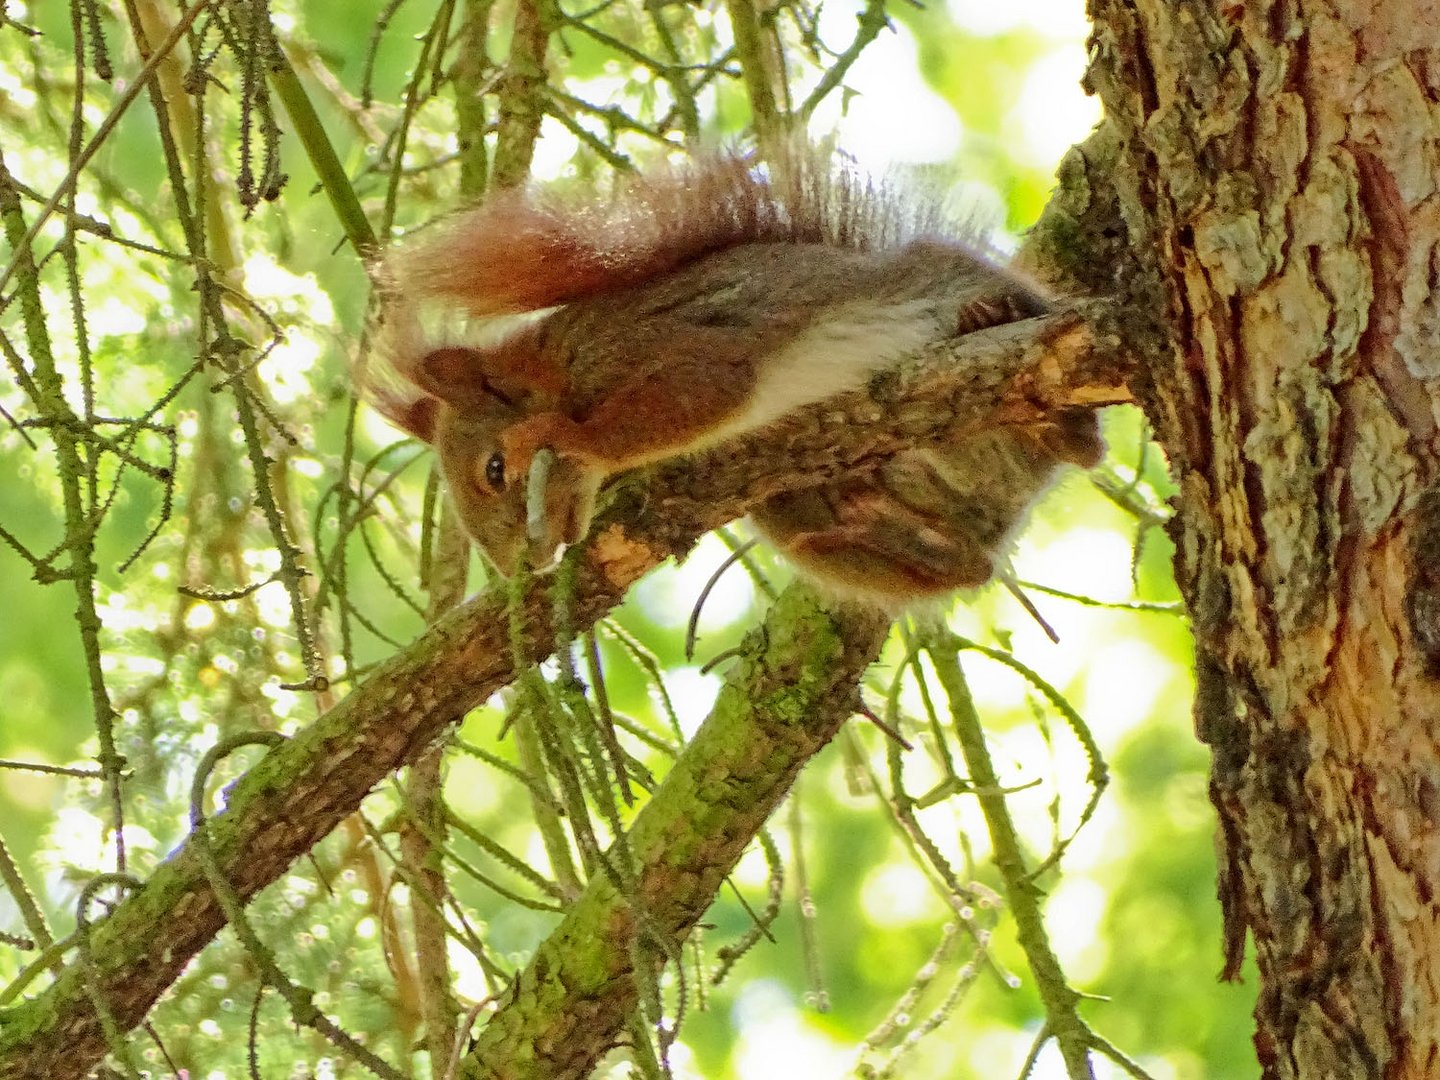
[{"x": 495, "y": 471}]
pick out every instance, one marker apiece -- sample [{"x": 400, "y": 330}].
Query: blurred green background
[{"x": 983, "y": 97}]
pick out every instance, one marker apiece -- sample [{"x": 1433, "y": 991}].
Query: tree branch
[
  {"x": 301, "y": 790},
  {"x": 792, "y": 689}
]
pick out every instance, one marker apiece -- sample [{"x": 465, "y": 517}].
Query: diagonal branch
[
  {"x": 794, "y": 686},
  {"x": 302, "y": 789}
]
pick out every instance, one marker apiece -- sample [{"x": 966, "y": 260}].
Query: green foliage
[{"x": 191, "y": 326}]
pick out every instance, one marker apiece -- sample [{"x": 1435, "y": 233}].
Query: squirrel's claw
[
  {"x": 522, "y": 441},
  {"x": 560, "y": 509}
]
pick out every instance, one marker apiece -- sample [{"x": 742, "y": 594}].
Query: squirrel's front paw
[
  {"x": 571, "y": 491},
  {"x": 522, "y": 441},
  {"x": 570, "y": 486}
]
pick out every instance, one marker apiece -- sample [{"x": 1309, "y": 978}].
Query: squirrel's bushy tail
[{"x": 524, "y": 250}]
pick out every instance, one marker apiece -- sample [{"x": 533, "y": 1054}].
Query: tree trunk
[{"x": 1277, "y": 175}]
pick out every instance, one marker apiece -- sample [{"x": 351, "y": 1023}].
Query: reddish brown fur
[
  {"x": 527, "y": 250},
  {"x": 696, "y": 303},
  {"x": 413, "y": 415},
  {"x": 506, "y": 256}
]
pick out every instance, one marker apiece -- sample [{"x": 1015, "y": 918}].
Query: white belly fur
[{"x": 836, "y": 354}]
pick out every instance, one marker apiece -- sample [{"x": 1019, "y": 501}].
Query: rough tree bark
[
  {"x": 1274, "y": 165},
  {"x": 1277, "y": 172}
]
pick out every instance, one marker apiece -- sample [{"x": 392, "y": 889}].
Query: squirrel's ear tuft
[{"x": 415, "y": 416}]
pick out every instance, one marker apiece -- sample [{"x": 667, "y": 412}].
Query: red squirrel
[{"x": 696, "y": 304}]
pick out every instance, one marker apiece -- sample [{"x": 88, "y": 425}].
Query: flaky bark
[
  {"x": 1278, "y": 168},
  {"x": 304, "y": 788}
]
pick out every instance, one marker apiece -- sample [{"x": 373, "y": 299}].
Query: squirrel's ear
[
  {"x": 453, "y": 374},
  {"x": 413, "y": 415},
  {"x": 463, "y": 377},
  {"x": 450, "y": 372}
]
